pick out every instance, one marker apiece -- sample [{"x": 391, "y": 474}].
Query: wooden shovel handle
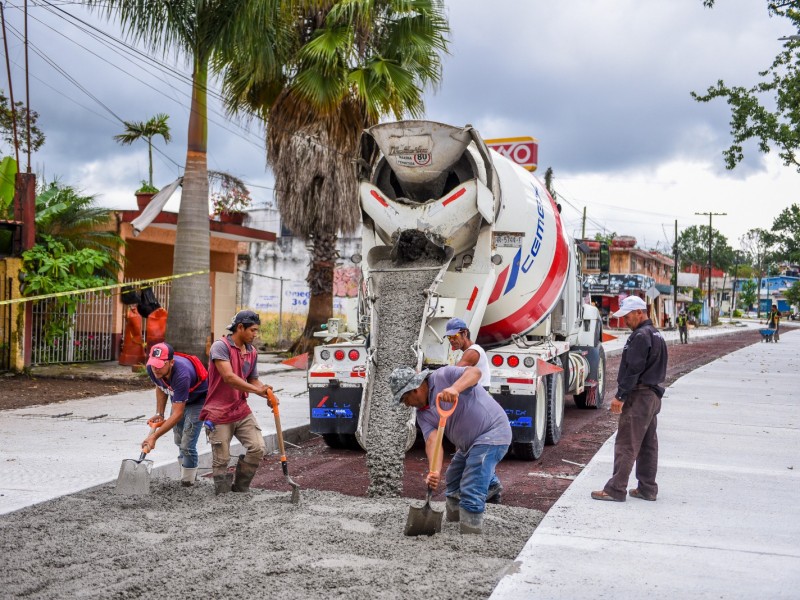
[
  {"x": 278, "y": 430},
  {"x": 443, "y": 414}
]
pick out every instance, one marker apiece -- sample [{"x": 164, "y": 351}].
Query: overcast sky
[{"x": 603, "y": 86}]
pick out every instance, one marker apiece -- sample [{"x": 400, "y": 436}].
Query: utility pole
[
  {"x": 710, "y": 238},
  {"x": 583, "y": 225},
  {"x": 675, "y": 271}
]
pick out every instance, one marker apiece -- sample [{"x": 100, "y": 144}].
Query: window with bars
[{"x": 593, "y": 260}]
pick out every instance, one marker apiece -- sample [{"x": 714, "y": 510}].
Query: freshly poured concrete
[
  {"x": 727, "y": 520},
  {"x": 187, "y": 543}
]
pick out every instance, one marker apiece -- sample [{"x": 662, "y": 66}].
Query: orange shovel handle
[{"x": 444, "y": 414}]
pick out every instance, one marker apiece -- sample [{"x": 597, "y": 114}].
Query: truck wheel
[
  {"x": 349, "y": 441},
  {"x": 332, "y": 440},
  {"x": 533, "y": 450},
  {"x": 597, "y": 372},
  {"x": 555, "y": 408}
]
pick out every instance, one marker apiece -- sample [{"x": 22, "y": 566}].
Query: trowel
[{"x": 134, "y": 476}]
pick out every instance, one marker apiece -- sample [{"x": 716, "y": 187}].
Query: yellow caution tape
[{"x": 133, "y": 284}]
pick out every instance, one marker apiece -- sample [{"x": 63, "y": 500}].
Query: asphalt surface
[{"x": 726, "y": 523}]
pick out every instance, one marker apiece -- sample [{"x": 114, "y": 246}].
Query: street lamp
[{"x": 710, "y": 238}]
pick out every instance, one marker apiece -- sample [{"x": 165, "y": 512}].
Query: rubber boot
[
  {"x": 451, "y": 509},
  {"x": 244, "y": 475},
  {"x": 470, "y": 522},
  {"x": 188, "y": 476},
  {"x": 222, "y": 483},
  {"x": 495, "y": 494}
]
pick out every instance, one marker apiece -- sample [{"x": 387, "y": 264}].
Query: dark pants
[
  {"x": 637, "y": 442},
  {"x": 684, "y": 335}
]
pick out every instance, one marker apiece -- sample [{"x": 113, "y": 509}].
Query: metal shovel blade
[
  {"x": 424, "y": 520},
  {"x": 134, "y": 477}
]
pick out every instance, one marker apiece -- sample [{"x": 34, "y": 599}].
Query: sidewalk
[{"x": 726, "y": 523}]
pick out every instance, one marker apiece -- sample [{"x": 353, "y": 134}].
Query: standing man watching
[
  {"x": 176, "y": 378},
  {"x": 478, "y": 428},
  {"x": 472, "y": 354},
  {"x": 232, "y": 375},
  {"x": 642, "y": 370},
  {"x": 683, "y": 324}
]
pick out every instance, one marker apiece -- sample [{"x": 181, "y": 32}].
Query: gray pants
[
  {"x": 637, "y": 442},
  {"x": 247, "y": 432}
]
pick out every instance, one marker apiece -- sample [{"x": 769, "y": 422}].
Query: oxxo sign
[{"x": 522, "y": 150}]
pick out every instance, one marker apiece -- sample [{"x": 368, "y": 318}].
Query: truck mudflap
[
  {"x": 334, "y": 409},
  {"x": 527, "y": 415}
]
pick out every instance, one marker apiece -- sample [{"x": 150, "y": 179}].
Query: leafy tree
[
  {"x": 72, "y": 220},
  {"x": 792, "y": 294},
  {"x": 693, "y": 248},
  {"x": 205, "y": 32},
  {"x": 146, "y": 130},
  {"x": 758, "y": 244},
  {"x": 786, "y": 228},
  {"x": 769, "y": 111},
  {"x": 7, "y": 119},
  {"x": 748, "y": 294},
  {"x": 350, "y": 62}
]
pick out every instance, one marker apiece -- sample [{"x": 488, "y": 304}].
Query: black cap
[{"x": 246, "y": 318}]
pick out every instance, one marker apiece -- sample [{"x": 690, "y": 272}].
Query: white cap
[{"x": 630, "y": 303}]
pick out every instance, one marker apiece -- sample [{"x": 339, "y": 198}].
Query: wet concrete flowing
[
  {"x": 400, "y": 306},
  {"x": 186, "y": 543}
]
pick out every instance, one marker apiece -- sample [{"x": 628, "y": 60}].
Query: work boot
[
  {"x": 244, "y": 475},
  {"x": 222, "y": 483},
  {"x": 470, "y": 522},
  {"x": 188, "y": 476},
  {"x": 495, "y": 494},
  {"x": 451, "y": 509}
]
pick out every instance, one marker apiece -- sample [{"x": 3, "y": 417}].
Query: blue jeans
[
  {"x": 471, "y": 473},
  {"x": 187, "y": 432}
]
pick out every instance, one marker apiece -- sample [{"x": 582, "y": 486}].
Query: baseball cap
[
  {"x": 159, "y": 355},
  {"x": 630, "y": 303},
  {"x": 246, "y": 317},
  {"x": 454, "y": 325},
  {"x": 405, "y": 379}
]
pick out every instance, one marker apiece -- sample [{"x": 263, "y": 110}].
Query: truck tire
[
  {"x": 555, "y": 408},
  {"x": 332, "y": 440},
  {"x": 533, "y": 450},
  {"x": 597, "y": 372}
]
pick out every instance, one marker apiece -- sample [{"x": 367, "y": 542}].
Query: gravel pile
[
  {"x": 186, "y": 543},
  {"x": 400, "y": 306}
]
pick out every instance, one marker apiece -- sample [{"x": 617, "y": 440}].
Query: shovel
[
  {"x": 279, "y": 432},
  {"x": 426, "y": 520},
  {"x": 134, "y": 476}
]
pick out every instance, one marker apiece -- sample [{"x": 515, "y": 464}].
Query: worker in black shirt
[{"x": 642, "y": 370}]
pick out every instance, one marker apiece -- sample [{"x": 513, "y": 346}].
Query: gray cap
[{"x": 405, "y": 379}]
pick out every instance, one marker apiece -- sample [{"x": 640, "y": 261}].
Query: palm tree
[
  {"x": 199, "y": 29},
  {"x": 351, "y": 63},
  {"x": 71, "y": 218},
  {"x": 137, "y": 130}
]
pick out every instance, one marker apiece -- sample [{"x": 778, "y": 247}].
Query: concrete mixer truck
[{"x": 453, "y": 229}]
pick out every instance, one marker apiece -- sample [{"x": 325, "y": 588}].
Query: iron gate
[{"x": 83, "y": 336}]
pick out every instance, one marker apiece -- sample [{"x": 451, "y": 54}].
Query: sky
[{"x": 603, "y": 86}]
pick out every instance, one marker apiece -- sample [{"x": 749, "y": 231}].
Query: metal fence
[
  {"x": 5, "y": 324},
  {"x": 83, "y": 336}
]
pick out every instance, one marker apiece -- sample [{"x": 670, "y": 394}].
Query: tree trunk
[
  {"x": 320, "y": 283},
  {"x": 189, "y": 318}
]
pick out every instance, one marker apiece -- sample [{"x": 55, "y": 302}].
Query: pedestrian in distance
[
  {"x": 774, "y": 322},
  {"x": 472, "y": 355},
  {"x": 642, "y": 370},
  {"x": 683, "y": 327},
  {"x": 478, "y": 428},
  {"x": 181, "y": 379},
  {"x": 232, "y": 375}
]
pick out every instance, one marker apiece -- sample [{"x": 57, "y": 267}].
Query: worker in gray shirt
[
  {"x": 642, "y": 370},
  {"x": 478, "y": 428}
]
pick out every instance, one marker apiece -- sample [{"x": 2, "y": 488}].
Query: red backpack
[{"x": 199, "y": 369}]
